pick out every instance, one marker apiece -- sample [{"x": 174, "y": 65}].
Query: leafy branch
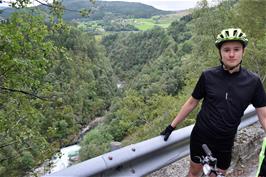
[
  {"x": 24, "y": 92},
  {"x": 55, "y": 6}
]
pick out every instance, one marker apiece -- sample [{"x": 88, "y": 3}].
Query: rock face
[
  {"x": 246, "y": 151},
  {"x": 244, "y": 161}
]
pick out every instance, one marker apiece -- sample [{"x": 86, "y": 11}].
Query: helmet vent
[
  {"x": 227, "y": 33},
  {"x": 231, "y": 34},
  {"x": 235, "y": 31}
]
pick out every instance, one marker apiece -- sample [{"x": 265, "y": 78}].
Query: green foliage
[
  {"x": 250, "y": 16},
  {"x": 159, "y": 112},
  {"x": 23, "y": 52},
  {"x": 95, "y": 143},
  {"x": 153, "y": 70},
  {"x": 24, "y": 62},
  {"x": 179, "y": 30},
  {"x": 127, "y": 54},
  {"x": 127, "y": 114},
  {"x": 53, "y": 81},
  {"x": 85, "y": 75},
  {"x": 27, "y": 160},
  {"x": 161, "y": 76}
]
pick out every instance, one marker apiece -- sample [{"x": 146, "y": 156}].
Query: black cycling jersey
[{"x": 225, "y": 98}]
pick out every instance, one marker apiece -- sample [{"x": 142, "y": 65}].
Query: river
[
  {"x": 66, "y": 157},
  {"x": 68, "y": 154},
  {"x": 63, "y": 160}
]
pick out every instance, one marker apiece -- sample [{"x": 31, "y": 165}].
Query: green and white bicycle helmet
[{"x": 231, "y": 34}]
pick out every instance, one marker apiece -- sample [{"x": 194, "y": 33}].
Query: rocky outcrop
[
  {"x": 246, "y": 149},
  {"x": 92, "y": 124},
  {"x": 244, "y": 162}
]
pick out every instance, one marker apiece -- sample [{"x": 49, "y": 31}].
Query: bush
[{"x": 95, "y": 143}]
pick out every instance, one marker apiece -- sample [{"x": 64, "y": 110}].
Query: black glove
[{"x": 167, "y": 132}]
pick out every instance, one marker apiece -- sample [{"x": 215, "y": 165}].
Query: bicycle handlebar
[
  {"x": 206, "y": 150},
  {"x": 209, "y": 163}
]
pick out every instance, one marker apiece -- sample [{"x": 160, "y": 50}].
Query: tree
[
  {"x": 250, "y": 16},
  {"x": 179, "y": 30},
  {"x": 95, "y": 143},
  {"x": 52, "y": 81},
  {"x": 24, "y": 62}
]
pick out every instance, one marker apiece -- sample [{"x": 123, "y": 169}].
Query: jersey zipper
[{"x": 226, "y": 95}]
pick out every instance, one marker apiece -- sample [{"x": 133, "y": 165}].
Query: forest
[{"x": 56, "y": 78}]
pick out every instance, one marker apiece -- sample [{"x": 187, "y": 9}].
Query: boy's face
[{"x": 231, "y": 53}]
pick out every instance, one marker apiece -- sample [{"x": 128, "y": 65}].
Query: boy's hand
[{"x": 167, "y": 132}]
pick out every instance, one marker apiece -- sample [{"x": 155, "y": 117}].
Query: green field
[
  {"x": 162, "y": 21},
  {"x": 145, "y": 24},
  {"x": 98, "y": 27}
]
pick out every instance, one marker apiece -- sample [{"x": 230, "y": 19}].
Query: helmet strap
[{"x": 230, "y": 69}]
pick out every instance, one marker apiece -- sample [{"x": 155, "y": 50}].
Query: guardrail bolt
[
  {"x": 110, "y": 158},
  {"x": 133, "y": 171},
  {"x": 133, "y": 149}
]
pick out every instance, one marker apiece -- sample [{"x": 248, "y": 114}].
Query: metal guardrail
[{"x": 142, "y": 158}]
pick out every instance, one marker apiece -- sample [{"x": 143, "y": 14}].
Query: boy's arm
[
  {"x": 190, "y": 104},
  {"x": 261, "y": 112}
]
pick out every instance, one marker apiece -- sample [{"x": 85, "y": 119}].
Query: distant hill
[{"x": 103, "y": 9}]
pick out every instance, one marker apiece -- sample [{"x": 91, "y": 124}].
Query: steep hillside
[{"x": 102, "y": 9}]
